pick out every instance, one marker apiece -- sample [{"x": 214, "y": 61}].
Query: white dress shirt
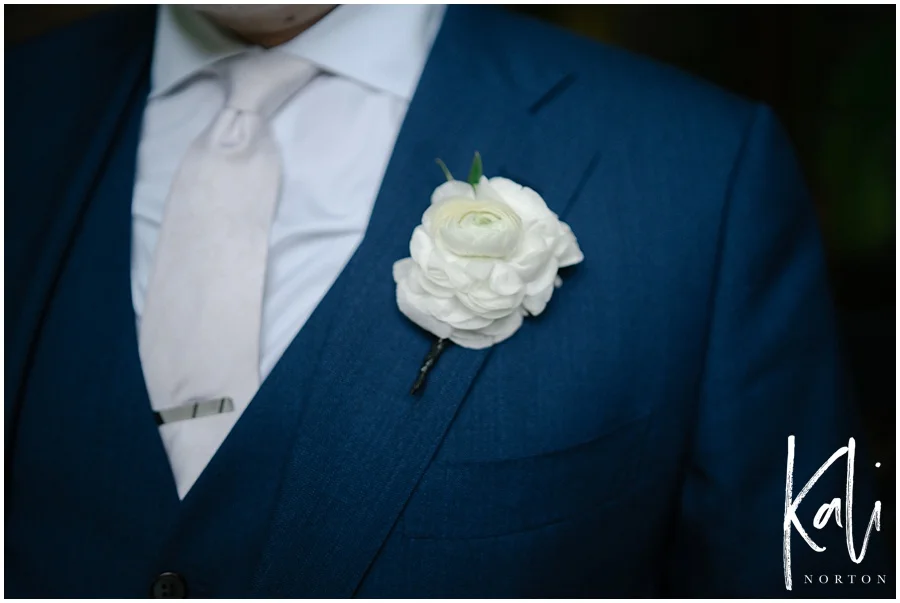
[{"x": 336, "y": 136}]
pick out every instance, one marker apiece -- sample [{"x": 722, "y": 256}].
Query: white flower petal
[
  {"x": 490, "y": 306},
  {"x": 544, "y": 279},
  {"x": 420, "y": 246},
  {"x": 473, "y": 340},
  {"x": 452, "y": 188},
  {"x": 570, "y": 255},
  {"x": 536, "y": 303},
  {"x": 496, "y": 332},
  {"x": 526, "y": 202},
  {"x": 505, "y": 280},
  {"x": 485, "y": 192},
  {"x": 504, "y": 327},
  {"x": 402, "y": 269},
  {"x": 448, "y": 310},
  {"x": 530, "y": 257},
  {"x": 478, "y": 269},
  {"x": 412, "y": 309},
  {"x": 566, "y": 249},
  {"x": 452, "y": 266},
  {"x": 432, "y": 286},
  {"x": 472, "y": 324}
]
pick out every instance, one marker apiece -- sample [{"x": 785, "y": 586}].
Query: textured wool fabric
[
  {"x": 200, "y": 331},
  {"x": 630, "y": 441}
]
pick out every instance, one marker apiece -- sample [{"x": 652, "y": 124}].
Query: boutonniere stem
[{"x": 431, "y": 359}]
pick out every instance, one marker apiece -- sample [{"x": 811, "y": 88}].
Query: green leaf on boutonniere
[
  {"x": 476, "y": 171},
  {"x": 444, "y": 169}
]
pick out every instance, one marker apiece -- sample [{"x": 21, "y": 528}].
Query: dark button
[{"x": 169, "y": 585}]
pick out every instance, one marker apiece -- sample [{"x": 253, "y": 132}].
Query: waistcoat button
[{"x": 169, "y": 585}]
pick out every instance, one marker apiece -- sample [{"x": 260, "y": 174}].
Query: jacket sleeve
[{"x": 772, "y": 370}]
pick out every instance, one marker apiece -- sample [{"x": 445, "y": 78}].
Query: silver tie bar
[{"x": 194, "y": 410}]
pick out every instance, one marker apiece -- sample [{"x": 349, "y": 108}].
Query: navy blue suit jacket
[{"x": 631, "y": 440}]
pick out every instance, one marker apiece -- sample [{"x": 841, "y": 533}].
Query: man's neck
[
  {"x": 268, "y": 40},
  {"x": 273, "y": 27}
]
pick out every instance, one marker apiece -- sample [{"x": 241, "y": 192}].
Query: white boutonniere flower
[{"x": 485, "y": 256}]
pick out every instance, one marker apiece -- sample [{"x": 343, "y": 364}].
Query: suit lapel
[{"x": 362, "y": 442}]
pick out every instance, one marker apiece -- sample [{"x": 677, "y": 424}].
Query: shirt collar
[{"x": 381, "y": 46}]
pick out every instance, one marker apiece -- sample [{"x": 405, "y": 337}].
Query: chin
[{"x": 261, "y": 18}]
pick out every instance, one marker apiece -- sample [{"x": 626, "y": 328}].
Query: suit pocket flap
[{"x": 491, "y": 498}]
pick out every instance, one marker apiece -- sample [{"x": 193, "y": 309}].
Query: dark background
[{"x": 829, "y": 73}]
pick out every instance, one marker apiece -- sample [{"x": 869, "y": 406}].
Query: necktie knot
[{"x": 260, "y": 82}]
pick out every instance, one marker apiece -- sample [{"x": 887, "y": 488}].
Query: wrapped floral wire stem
[{"x": 430, "y": 360}]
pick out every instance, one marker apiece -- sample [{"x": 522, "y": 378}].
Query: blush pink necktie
[{"x": 200, "y": 330}]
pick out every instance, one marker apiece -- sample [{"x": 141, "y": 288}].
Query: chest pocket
[{"x": 480, "y": 499}]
